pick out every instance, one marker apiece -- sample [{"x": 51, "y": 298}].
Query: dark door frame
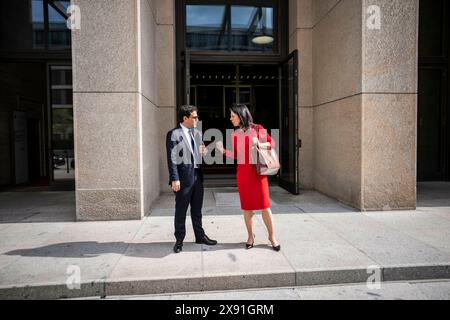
[
  {"x": 441, "y": 62},
  {"x": 281, "y": 55},
  {"x": 225, "y": 57}
]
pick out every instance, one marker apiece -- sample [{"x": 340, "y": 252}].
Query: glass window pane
[
  {"x": 37, "y": 20},
  {"x": 252, "y": 28},
  {"x": 62, "y": 97},
  {"x": 24, "y": 25},
  {"x": 62, "y": 128},
  {"x": 37, "y": 11},
  {"x": 61, "y": 76},
  {"x": 230, "y": 28},
  {"x": 60, "y": 35},
  {"x": 206, "y": 27},
  {"x": 54, "y": 16}
]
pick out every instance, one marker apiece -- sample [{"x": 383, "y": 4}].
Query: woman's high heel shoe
[
  {"x": 249, "y": 246},
  {"x": 276, "y": 248}
]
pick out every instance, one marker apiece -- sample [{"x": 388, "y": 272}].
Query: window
[
  {"x": 248, "y": 24},
  {"x": 206, "y": 27},
  {"x": 59, "y": 34},
  {"x": 62, "y": 122},
  {"x": 232, "y": 27}
]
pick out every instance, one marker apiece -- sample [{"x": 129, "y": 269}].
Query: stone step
[{"x": 142, "y": 286}]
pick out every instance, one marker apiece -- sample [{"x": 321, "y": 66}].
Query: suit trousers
[{"x": 189, "y": 196}]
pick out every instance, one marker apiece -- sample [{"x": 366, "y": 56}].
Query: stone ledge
[{"x": 136, "y": 286}]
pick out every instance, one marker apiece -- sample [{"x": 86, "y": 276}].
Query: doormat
[{"x": 227, "y": 199}]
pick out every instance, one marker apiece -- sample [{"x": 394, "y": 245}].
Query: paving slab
[
  {"x": 387, "y": 291},
  {"x": 426, "y": 227},
  {"x": 318, "y": 254},
  {"x": 93, "y": 247},
  {"x": 383, "y": 244},
  {"x": 25, "y": 235},
  {"x": 438, "y": 290},
  {"x": 229, "y": 264},
  {"x": 149, "y": 264}
]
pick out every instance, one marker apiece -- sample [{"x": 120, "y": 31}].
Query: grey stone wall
[
  {"x": 358, "y": 100},
  {"x": 123, "y": 102},
  {"x": 389, "y": 107}
]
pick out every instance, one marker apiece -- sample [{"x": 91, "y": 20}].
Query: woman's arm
[
  {"x": 227, "y": 153},
  {"x": 265, "y": 140}
]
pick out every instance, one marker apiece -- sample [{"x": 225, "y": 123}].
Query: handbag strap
[{"x": 256, "y": 128}]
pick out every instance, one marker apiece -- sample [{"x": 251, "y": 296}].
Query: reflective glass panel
[
  {"x": 252, "y": 28},
  {"x": 37, "y": 20},
  {"x": 62, "y": 123},
  {"x": 206, "y": 27},
  {"x": 230, "y": 28},
  {"x": 60, "y": 35}
]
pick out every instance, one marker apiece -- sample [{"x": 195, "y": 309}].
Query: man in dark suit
[{"x": 184, "y": 158}]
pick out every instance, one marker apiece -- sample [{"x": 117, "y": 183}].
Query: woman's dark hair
[
  {"x": 244, "y": 115},
  {"x": 185, "y": 111}
]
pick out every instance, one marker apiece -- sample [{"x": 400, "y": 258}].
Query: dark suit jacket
[{"x": 179, "y": 157}]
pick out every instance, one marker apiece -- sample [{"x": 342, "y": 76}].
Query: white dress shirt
[{"x": 189, "y": 137}]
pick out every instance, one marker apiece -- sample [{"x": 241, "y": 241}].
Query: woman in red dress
[{"x": 253, "y": 188}]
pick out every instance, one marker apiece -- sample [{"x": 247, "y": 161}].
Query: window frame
[{"x": 280, "y": 32}]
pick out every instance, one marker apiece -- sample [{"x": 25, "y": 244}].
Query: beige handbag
[{"x": 265, "y": 160}]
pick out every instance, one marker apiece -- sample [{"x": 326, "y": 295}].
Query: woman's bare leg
[
  {"x": 248, "y": 217},
  {"x": 268, "y": 221}
]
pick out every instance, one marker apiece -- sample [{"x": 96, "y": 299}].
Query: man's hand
[
  {"x": 203, "y": 150},
  {"x": 176, "y": 186}
]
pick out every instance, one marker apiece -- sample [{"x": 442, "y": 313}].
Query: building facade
[{"x": 340, "y": 79}]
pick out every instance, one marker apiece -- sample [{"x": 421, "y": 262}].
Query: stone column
[
  {"x": 365, "y": 99},
  {"x": 337, "y": 116},
  {"x": 124, "y": 103},
  {"x": 116, "y": 114},
  {"x": 389, "y": 106}
]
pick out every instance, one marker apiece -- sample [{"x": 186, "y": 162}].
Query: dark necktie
[{"x": 194, "y": 151}]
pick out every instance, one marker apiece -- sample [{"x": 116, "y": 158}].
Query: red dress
[{"x": 253, "y": 188}]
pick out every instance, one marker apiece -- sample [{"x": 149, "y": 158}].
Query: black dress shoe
[
  {"x": 276, "y": 248},
  {"x": 206, "y": 240},
  {"x": 250, "y": 245},
  {"x": 178, "y": 247}
]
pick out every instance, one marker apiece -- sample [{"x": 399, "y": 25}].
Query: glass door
[
  {"x": 61, "y": 102},
  {"x": 187, "y": 78},
  {"x": 289, "y": 142}
]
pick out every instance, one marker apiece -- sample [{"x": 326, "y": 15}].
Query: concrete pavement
[{"x": 44, "y": 253}]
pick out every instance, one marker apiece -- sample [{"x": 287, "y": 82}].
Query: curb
[{"x": 143, "y": 286}]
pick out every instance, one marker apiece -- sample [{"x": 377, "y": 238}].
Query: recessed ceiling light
[{"x": 262, "y": 40}]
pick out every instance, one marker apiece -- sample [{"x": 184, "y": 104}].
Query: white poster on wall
[{"x": 21, "y": 146}]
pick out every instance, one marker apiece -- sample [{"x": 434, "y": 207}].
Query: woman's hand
[{"x": 219, "y": 146}]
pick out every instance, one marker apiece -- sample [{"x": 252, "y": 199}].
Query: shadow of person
[{"x": 91, "y": 249}]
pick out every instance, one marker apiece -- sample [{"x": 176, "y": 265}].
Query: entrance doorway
[
  {"x": 214, "y": 89},
  {"x": 269, "y": 90},
  {"x": 234, "y": 51},
  {"x": 433, "y": 118}
]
